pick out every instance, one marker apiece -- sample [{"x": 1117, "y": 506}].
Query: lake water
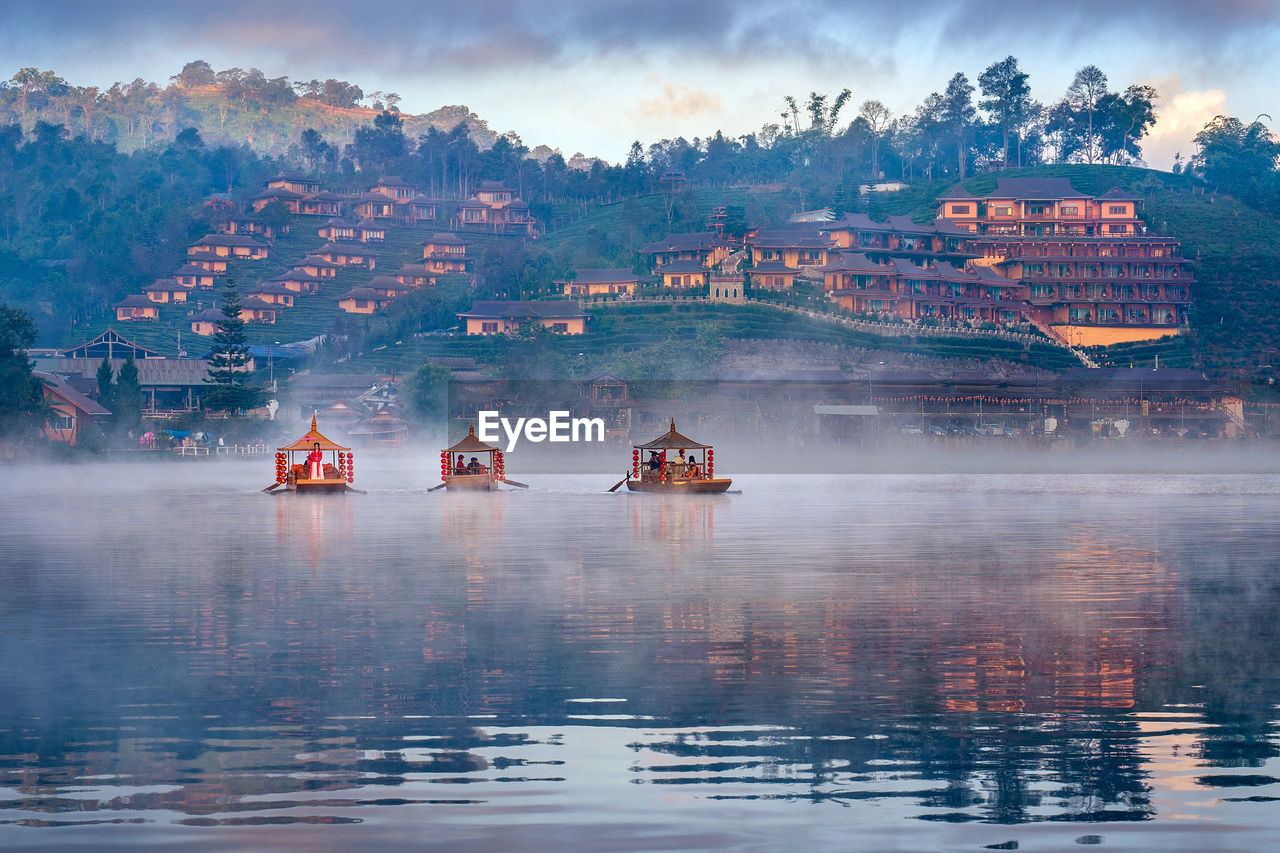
[{"x": 877, "y": 662}]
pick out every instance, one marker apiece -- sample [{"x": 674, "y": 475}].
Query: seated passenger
[
  {"x": 691, "y": 470},
  {"x": 461, "y": 467},
  {"x": 655, "y": 464},
  {"x": 474, "y": 467}
]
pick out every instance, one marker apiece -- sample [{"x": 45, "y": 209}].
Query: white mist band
[{"x": 558, "y": 427}]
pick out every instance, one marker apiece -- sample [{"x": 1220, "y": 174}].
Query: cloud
[
  {"x": 678, "y": 100},
  {"x": 1181, "y": 114}
]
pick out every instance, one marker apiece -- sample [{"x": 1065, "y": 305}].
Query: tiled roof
[
  {"x": 611, "y": 275},
  {"x": 524, "y": 310},
  {"x": 684, "y": 242}
]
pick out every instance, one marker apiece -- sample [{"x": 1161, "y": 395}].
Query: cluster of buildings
[
  {"x": 353, "y": 229},
  {"x": 1081, "y": 267}
]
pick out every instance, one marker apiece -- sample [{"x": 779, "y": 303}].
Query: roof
[
  {"x": 298, "y": 275},
  {"x": 444, "y": 238},
  {"x": 272, "y": 287},
  {"x": 386, "y": 282},
  {"x": 363, "y": 293},
  {"x": 308, "y": 441},
  {"x": 192, "y": 269},
  {"x": 853, "y": 262},
  {"x": 799, "y": 238},
  {"x": 392, "y": 181},
  {"x": 229, "y": 240},
  {"x": 517, "y": 204},
  {"x": 325, "y": 195},
  {"x": 372, "y": 196},
  {"x": 266, "y": 351},
  {"x": 255, "y": 304},
  {"x": 1117, "y": 194},
  {"x": 208, "y": 315},
  {"x": 370, "y": 225},
  {"x": 684, "y": 242},
  {"x": 136, "y": 300},
  {"x": 165, "y": 285},
  {"x": 957, "y": 193},
  {"x": 317, "y": 261},
  {"x": 1047, "y": 189},
  {"x": 414, "y": 269},
  {"x": 151, "y": 371},
  {"x": 493, "y": 186},
  {"x": 768, "y": 267},
  {"x": 474, "y": 203},
  {"x": 60, "y": 387},
  {"x": 903, "y": 266},
  {"x": 672, "y": 439},
  {"x": 905, "y": 225},
  {"x": 276, "y": 192},
  {"x": 350, "y": 249},
  {"x": 1138, "y": 378},
  {"x": 337, "y": 222},
  {"x": 950, "y": 273},
  {"x": 294, "y": 175},
  {"x": 682, "y": 267},
  {"x": 516, "y": 310},
  {"x": 471, "y": 444},
  {"x": 600, "y": 275}
]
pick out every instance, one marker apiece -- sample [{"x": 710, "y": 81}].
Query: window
[
  {"x": 961, "y": 209},
  {"x": 61, "y": 421},
  {"x": 1037, "y": 209},
  {"x": 1070, "y": 210},
  {"x": 1042, "y": 291},
  {"x": 1004, "y": 210},
  {"x": 1117, "y": 229},
  {"x": 488, "y": 328},
  {"x": 559, "y": 327},
  {"x": 1118, "y": 209},
  {"x": 1108, "y": 315}
]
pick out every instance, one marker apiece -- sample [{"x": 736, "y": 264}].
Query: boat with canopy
[
  {"x": 471, "y": 464},
  {"x": 675, "y": 463},
  {"x": 325, "y": 465}
]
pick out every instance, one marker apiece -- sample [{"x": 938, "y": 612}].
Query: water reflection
[{"x": 955, "y": 653}]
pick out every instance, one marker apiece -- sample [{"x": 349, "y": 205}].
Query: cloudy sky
[{"x": 593, "y": 76}]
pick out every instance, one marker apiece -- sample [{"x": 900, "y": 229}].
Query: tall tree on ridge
[{"x": 958, "y": 115}]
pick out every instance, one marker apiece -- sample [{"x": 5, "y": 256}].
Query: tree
[
  {"x": 877, "y": 117},
  {"x": 20, "y": 392},
  {"x": 196, "y": 73},
  {"x": 1007, "y": 100},
  {"x": 229, "y": 366},
  {"x": 958, "y": 114},
  {"x": 1086, "y": 90},
  {"x": 1125, "y": 119},
  {"x": 1238, "y": 158},
  {"x": 107, "y": 385},
  {"x": 128, "y": 399},
  {"x": 427, "y": 393}
]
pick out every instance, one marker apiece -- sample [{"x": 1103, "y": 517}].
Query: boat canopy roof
[
  {"x": 308, "y": 441},
  {"x": 672, "y": 440},
  {"x": 471, "y": 444}
]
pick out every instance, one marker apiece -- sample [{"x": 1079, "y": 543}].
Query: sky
[{"x": 593, "y": 76}]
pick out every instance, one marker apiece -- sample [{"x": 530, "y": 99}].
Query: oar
[
  {"x": 436, "y": 488},
  {"x": 514, "y": 483},
  {"x": 619, "y": 483},
  {"x": 272, "y": 486}
]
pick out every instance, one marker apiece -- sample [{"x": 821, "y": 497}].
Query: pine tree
[
  {"x": 127, "y": 396},
  {"x": 229, "y": 366},
  {"x": 107, "y": 385}
]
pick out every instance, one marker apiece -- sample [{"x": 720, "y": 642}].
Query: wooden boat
[
  {"x": 335, "y": 473},
  {"x": 659, "y": 473},
  {"x": 483, "y": 464}
]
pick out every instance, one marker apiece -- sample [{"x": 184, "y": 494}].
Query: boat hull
[
  {"x": 327, "y": 485},
  {"x": 714, "y": 486},
  {"x": 470, "y": 483}
]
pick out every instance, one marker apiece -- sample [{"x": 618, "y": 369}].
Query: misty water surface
[{"x": 872, "y": 662}]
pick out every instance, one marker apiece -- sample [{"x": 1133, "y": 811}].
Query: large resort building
[{"x": 1092, "y": 274}]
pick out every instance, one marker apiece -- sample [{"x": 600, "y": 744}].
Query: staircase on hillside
[{"x": 1053, "y": 335}]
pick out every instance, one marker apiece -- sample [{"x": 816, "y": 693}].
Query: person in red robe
[{"x": 315, "y": 463}]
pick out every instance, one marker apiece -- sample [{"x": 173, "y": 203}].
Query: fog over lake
[{"x": 1079, "y": 654}]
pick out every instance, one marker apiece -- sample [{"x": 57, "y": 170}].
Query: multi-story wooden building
[
  {"x": 703, "y": 248},
  {"x": 445, "y": 253},
  {"x": 937, "y": 290},
  {"x": 496, "y": 208},
  {"x": 1092, "y": 274},
  {"x": 899, "y": 236}
]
